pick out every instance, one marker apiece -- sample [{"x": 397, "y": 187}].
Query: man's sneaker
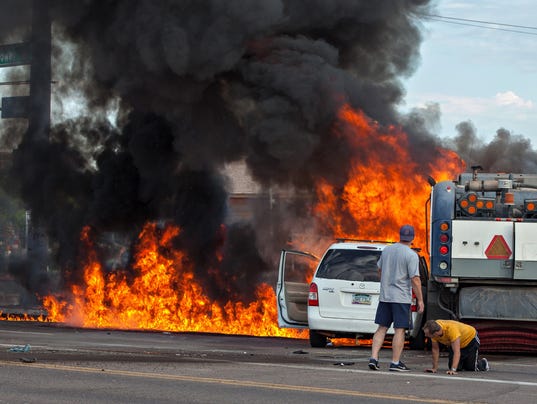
[
  {"x": 400, "y": 367},
  {"x": 373, "y": 364},
  {"x": 483, "y": 365}
]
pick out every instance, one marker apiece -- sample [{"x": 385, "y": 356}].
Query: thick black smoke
[
  {"x": 505, "y": 153},
  {"x": 14, "y": 19},
  {"x": 197, "y": 84}
]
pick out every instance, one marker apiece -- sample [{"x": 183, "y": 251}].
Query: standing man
[
  {"x": 399, "y": 274},
  {"x": 462, "y": 341}
]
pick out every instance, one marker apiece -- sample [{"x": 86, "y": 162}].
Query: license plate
[{"x": 359, "y": 298}]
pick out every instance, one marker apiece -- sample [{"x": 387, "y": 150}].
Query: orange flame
[
  {"x": 386, "y": 187},
  {"x": 163, "y": 295}
]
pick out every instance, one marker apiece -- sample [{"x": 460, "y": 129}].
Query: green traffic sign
[
  {"x": 15, "y": 107},
  {"x": 15, "y": 54}
]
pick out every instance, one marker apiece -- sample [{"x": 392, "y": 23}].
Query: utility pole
[
  {"x": 39, "y": 114},
  {"x": 40, "y": 72}
]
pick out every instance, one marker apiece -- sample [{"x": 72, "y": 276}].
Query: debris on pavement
[
  {"x": 20, "y": 348},
  {"x": 300, "y": 351}
]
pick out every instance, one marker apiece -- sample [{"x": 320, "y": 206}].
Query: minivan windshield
[{"x": 350, "y": 265}]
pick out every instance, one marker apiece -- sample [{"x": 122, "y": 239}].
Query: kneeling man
[{"x": 462, "y": 341}]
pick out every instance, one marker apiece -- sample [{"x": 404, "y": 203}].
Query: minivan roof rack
[
  {"x": 344, "y": 240},
  {"x": 357, "y": 240}
]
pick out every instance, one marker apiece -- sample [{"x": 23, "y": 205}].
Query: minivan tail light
[
  {"x": 313, "y": 295},
  {"x": 414, "y": 304}
]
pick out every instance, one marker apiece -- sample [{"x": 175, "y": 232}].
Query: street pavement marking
[
  {"x": 229, "y": 382},
  {"x": 27, "y": 332},
  {"x": 457, "y": 377}
]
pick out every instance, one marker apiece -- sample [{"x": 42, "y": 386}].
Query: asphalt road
[{"x": 46, "y": 363}]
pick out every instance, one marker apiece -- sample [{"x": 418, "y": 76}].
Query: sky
[{"x": 483, "y": 75}]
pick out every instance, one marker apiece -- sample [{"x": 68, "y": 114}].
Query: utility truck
[{"x": 483, "y": 256}]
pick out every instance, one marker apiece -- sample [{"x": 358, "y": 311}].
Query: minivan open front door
[{"x": 295, "y": 268}]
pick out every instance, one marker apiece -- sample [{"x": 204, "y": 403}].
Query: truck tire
[
  {"x": 424, "y": 272},
  {"x": 417, "y": 343},
  {"x": 432, "y": 308},
  {"x": 317, "y": 340}
]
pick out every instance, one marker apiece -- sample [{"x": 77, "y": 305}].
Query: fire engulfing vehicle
[
  {"x": 483, "y": 255},
  {"x": 342, "y": 298}
]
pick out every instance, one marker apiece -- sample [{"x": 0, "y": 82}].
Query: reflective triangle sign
[{"x": 498, "y": 249}]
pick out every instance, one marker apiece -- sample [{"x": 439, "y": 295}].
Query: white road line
[
  {"x": 26, "y": 332},
  {"x": 409, "y": 374}
]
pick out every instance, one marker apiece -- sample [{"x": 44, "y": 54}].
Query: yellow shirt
[{"x": 453, "y": 330}]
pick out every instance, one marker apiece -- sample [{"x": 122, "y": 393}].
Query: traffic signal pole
[
  {"x": 40, "y": 72},
  {"x": 39, "y": 116}
]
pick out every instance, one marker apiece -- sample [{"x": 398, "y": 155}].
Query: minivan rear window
[{"x": 350, "y": 265}]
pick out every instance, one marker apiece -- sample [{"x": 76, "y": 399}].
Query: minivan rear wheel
[{"x": 317, "y": 340}]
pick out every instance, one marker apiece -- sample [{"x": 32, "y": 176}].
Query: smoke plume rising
[{"x": 194, "y": 85}]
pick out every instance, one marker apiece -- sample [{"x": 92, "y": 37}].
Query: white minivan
[{"x": 342, "y": 298}]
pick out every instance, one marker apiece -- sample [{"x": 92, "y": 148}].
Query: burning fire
[
  {"x": 163, "y": 295},
  {"x": 386, "y": 188}
]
